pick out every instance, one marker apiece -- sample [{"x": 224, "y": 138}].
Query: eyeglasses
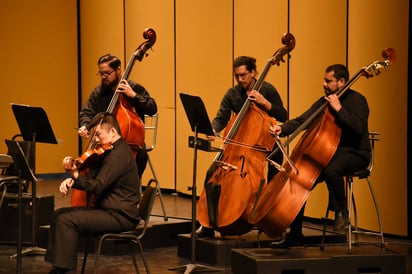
[
  {"x": 242, "y": 75},
  {"x": 104, "y": 73}
]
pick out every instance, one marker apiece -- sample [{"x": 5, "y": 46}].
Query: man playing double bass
[
  {"x": 110, "y": 73},
  {"x": 268, "y": 99},
  {"x": 351, "y": 113}
]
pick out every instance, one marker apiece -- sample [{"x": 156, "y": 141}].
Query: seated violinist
[
  {"x": 351, "y": 113},
  {"x": 115, "y": 187}
]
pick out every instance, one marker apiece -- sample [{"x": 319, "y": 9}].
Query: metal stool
[
  {"x": 361, "y": 174},
  {"x": 151, "y": 122}
]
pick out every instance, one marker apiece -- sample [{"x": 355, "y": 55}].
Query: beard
[{"x": 110, "y": 85}]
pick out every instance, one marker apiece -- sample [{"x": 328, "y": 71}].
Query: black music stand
[
  {"x": 200, "y": 123},
  {"x": 22, "y": 166},
  {"x": 35, "y": 127}
]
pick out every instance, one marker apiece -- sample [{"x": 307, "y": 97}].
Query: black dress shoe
[
  {"x": 58, "y": 270},
  {"x": 291, "y": 240},
  {"x": 203, "y": 232},
  {"x": 341, "y": 220}
]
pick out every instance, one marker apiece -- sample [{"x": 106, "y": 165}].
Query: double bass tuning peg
[
  {"x": 146, "y": 53},
  {"x": 283, "y": 60}
]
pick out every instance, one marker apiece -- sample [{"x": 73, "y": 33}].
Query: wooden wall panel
[
  {"x": 39, "y": 57},
  {"x": 320, "y": 41},
  {"x": 102, "y": 32},
  {"x": 258, "y": 30},
  {"x": 373, "y": 27},
  {"x": 203, "y": 68},
  {"x": 156, "y": 73}
]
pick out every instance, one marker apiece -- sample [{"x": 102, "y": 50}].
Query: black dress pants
[
  {"x": 345, "y": 161},
  {"x": 68, "y": 223}
]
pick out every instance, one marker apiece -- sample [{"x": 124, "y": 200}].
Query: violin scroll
[
  {"x": 150, "y": 35},
  {"x": 289, "y": 41}
]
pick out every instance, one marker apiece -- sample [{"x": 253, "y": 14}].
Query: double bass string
[{"x": 229, "y": 141}]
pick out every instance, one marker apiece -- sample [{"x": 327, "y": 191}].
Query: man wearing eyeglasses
[
  {"x": 109, "y": 70},
  {"x": 267, "y": 98}
]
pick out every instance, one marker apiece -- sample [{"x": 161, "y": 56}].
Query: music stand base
[
  {"x": 31, "y": 251},
  {"x": 193, "y": 268},
  {"x": 200, "y": 123}
]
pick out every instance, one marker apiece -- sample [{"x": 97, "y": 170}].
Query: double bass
[
  {"x": 229, "y": 193},
  {"x": 131, "y": 125},
  {"x": 280, "y": 202}
]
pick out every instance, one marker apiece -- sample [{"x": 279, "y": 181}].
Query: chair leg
[
  {"x": 144, "y": 259},
  {"x": 349, "y": 182},
  {"x": 377, "y": 213},
  {"x": 99, "y": 248},
  {"x": 158, "y": 192},
  {"x": 258, "y": 238},
  {"x": 355, "y": 217},
  {"x": 322, "y": 244},
  {"x": 131, "y": 248},
  {"x": 86, "y": 252}
]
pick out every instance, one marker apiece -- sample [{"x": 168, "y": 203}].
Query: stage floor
[{"x": 162, "y": 258}]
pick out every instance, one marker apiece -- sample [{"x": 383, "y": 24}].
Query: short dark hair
[
  {"x": 113, "y": 61},
  {"x": 105, "y": 118},
  {"x": 247, "y": 61},
  {"x": 340, "y": 71}
]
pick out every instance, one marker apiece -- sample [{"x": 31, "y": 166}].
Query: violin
[
  {"x": 90, "y": 159},
  {"x": 91, "y": 156}
]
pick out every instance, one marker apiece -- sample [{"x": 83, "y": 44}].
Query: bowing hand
[
  {"x": 66, "y": 185},
  {"x": 275, "y": 130},
  {"x": 83, "y": 132}
]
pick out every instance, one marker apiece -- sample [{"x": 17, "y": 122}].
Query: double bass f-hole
[{"x": 242, "y": 173}]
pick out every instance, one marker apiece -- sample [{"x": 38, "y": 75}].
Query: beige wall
[
  {"x": 196, "y": 43},
  {"x": 39, "y": 68},
  {"x": 321, "y": 41}
]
